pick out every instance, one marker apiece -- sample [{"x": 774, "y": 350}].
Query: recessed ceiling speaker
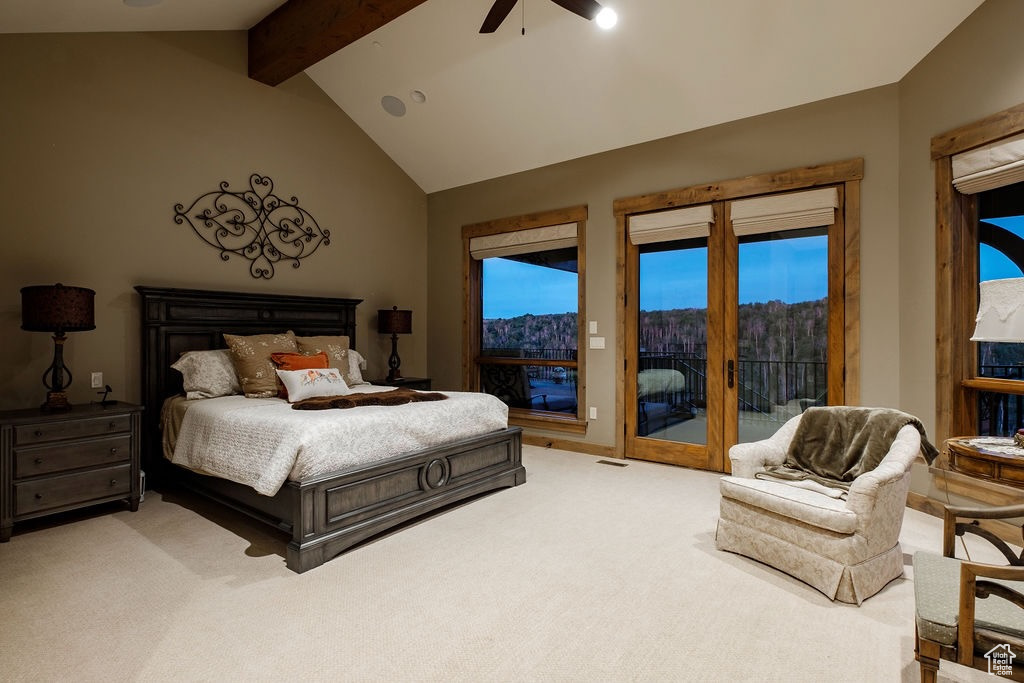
[{"x": 393, "y": 105}]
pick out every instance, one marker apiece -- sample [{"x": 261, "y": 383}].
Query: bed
[{"x": 328, "y": 513}]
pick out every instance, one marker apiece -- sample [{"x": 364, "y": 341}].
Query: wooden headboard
[{"x": 179, "y": 320}]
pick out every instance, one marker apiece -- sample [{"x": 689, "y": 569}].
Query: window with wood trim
[
  {"x": 524, "y": 312},
  {"x": 979, "y": 193}
]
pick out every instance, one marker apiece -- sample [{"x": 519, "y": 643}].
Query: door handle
[{"x": 731, "y": 373}]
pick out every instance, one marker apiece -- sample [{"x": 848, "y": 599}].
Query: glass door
[
  {"x": 782, "y": 329},
  {"x": 674, "y": 347},
  {"x": 734, "y": 331}
]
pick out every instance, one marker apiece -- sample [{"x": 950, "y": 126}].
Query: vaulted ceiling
[{"x": 506, "y": 102}]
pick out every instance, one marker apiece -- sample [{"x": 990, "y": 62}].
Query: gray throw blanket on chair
[{"x": 834, "y": 445}]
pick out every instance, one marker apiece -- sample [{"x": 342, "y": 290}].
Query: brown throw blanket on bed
[
  {"x": 395, "y": 397},
  {"x": 836, "y": 444}
]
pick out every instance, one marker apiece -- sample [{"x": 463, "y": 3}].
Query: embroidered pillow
[
  {"x": 313, "y": 382},
  {"x": 298, "y": 361},
  {"x": 341, "y": 356},
  {"x": 251, "y": 358},
  {"x": 207, "y": 374}
]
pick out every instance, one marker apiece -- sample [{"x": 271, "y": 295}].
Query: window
[
  {"x": 524, "y": 312},
  {"x": 979, "y": 237},
  {"x": 1000, "y": 245}
]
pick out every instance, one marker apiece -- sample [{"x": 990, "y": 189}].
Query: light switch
[
  {"x": 593, "y": 327},
  {"x": 597, "y": 342}
]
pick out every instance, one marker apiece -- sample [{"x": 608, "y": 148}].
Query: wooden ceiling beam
[{"x": 300, "y": 33}]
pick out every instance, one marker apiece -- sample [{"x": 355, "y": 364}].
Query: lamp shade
[
  {"x": 56, "y": 308},
  {"x": 394, "y": 321},
  {"x": 1000, "y": 311}
]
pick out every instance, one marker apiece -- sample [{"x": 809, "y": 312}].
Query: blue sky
[
  {"x": 993, "y": 265},
  {"x": 790, "y": 270}
]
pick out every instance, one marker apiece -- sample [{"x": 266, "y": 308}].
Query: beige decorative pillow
[
  {"x": 337, "y": 350},
  {"x": 207, "y": 374},
  {"x": 251, "y": 357}
]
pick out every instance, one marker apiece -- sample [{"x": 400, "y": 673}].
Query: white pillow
[
  {"x": 208, "y": 374},
  {"x": 356, "y": 361},
  {"x": 313, "y": 382}
]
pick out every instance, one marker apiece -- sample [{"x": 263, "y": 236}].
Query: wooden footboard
[{"x": 339, "y": 512}]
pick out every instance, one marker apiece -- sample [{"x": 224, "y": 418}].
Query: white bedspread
[{"x": 263, "y": 442}]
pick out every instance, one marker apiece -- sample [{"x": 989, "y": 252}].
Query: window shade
[
  {"x": 524, "y": 241},
  {"x": 986, "y": 168},
  {"x": 667, "y": 226},
  {"x": 792, "y": 211}
]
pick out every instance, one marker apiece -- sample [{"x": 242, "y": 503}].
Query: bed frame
[{"x": 328, "y": 514}]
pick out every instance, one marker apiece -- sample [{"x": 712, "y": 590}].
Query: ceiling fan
[{"x": 588, "y": 9}]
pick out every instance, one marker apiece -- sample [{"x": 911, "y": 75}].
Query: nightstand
[
  {"x": 53, "y": 462},
  {"x": 421, "y": 383}
]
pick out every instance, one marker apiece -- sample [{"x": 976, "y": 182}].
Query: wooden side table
[
  {"x": 52, "y": 462},
  {"x": 985, "y": 463}
]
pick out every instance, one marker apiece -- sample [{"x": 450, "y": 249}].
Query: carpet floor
[{"x": 588, "y": 572}]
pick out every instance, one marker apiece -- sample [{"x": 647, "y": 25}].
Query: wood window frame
[
  {"x": 472, "y": 318},
  {"x": 844, "y": 382},
  {"x": 956, "y": 279}
]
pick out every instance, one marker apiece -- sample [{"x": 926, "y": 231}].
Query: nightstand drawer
[
  {"x": 31, "y": 462},
  {"x": 37, "y": 495},
  {"x": 42, "y": 432}
]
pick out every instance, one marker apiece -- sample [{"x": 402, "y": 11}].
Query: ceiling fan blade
[
  {"x": 587, "y": 9},
  {"x": 499, "y": 10}
]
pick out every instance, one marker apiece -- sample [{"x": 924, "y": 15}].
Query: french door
[{"x": 734, "y": 322}]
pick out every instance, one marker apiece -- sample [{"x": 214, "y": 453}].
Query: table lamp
[
  {"x": 1001, "y": 317},
  {"x": 57, "y": 309},
  {"x": 394, "y": 322},
  {"x": 1000, "y": 311}
]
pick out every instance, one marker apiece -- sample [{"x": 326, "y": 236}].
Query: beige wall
[
  {"x": 860, "y": 125},
  {"x": 104, "y": 133},
  {"x": 977, "y": 71}
]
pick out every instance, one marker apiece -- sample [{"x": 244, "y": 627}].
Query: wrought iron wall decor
[{"x": 255, "y": 224}]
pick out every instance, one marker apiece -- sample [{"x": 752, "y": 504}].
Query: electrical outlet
[
  {"x": 593, "y": 413},
  {"x": 97, "y": 380}
]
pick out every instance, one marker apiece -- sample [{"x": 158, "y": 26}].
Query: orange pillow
[{"x": 298, "y": 361}]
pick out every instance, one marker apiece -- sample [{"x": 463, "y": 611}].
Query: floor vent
[{"x": 612, "y": 463}]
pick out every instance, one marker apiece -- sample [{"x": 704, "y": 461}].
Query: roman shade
[
  {"x": 986, "y": 168},
  {"x": 807, "y": 209},
  {"x": 524, "y": 241},
  {"x": 668, "y": 226}
]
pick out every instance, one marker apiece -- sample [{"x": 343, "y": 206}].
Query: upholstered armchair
[
  {"x": 847, "y": 548},
  {"x": 968, "y": 612}
]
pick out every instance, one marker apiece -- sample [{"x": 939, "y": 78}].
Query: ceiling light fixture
[
  {"x": 418, "y": 96},
  {"x": 606, "y": 18},
  {"x": 393, "y": 105}
]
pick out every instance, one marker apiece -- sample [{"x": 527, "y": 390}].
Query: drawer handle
[
  {"x": 113, "y": 482},
  {"x": 38, "y": 433},
  {"x": 113, "y": 450},
  {"x": 112, "y": 425},
  {"x": 39, "y": 496},
  {"x": 39, "y": 461}
]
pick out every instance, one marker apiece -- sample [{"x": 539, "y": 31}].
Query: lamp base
[{"x": 56, "y": 402}]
